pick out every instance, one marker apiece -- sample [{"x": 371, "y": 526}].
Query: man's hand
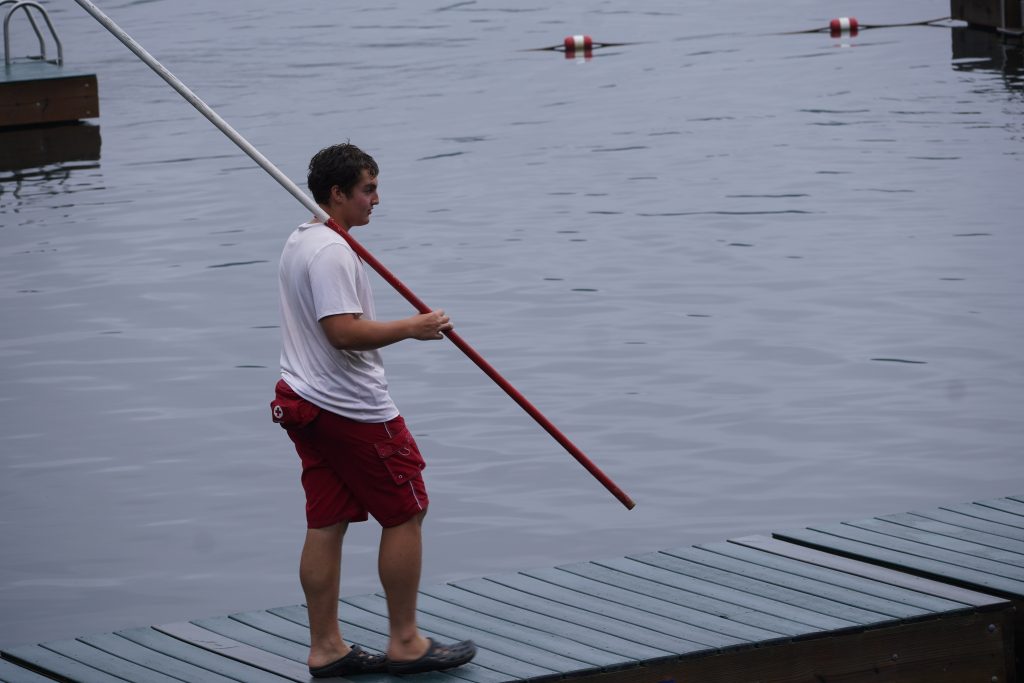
[{"x": 427, "y": 326}]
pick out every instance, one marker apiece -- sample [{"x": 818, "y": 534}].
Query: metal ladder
[{"x": 28, "y": 6}]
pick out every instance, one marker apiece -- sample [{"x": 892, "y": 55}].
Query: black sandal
[
  {"x": 358, "y": 661},
  {"x": 437, "y": 658}
]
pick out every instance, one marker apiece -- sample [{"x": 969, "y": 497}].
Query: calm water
[{"x": 762, "y": 280}]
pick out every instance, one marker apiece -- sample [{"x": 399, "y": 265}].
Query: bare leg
[
  {"x": 399, "y": 562},
  {"x": 320, "y": 575}
]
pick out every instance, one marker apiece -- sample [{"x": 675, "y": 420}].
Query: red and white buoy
[
  {"x": 843, "y": 26},
  {"x": 578, "y": 43}
]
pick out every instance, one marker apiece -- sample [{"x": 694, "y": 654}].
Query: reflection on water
[
  {"x": 41, "y": 160},
  {"x": 975, "y": 49}
]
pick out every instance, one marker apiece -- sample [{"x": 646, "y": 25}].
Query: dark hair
[{"x": 340, "y": 165}]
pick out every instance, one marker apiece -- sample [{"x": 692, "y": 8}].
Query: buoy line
[{"x": 850, "y": 26}]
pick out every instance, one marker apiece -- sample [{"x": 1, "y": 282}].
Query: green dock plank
[
  {"x": 974, "y": 548},
  {"x": 107, "y": 663},
  {"x": 748, "y": 578},
  {"x": 811, "y": 619},
  {"x": 869, "y": 570},
  {"x": 959, "y": 554},
  {"x": 682, "y": 621},
  {"x": 186, "y": 652},
  {"x": 986, "y": 513},
  {"x": 128, "y": 650},
  {"x": 817, "y": 583},
  {"x": 585, "y": 656},
  {"x": 239, "y": 651},
  {"x": 44, "y": 659},
  {"x": 916, "y": 603},
  {"x": 620, "y": 650},
  {"x": 1007, "y": 505},
  {"x": 268, "y": 622},
  {"x": 974, "y": 523},
  {"x": 663, "y": 599},
  {"x": 898, "y": 559},
  {"x": 255, "y": 638},
  {"x": 598, "y": 616},
  {"x": 932, "y": 526},
  {"x": 12, "y": 673}
]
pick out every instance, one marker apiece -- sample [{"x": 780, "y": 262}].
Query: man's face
[{"x": 356, "y": 207}]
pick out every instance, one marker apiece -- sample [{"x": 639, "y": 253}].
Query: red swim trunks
[{"x": 351, "y": 469}]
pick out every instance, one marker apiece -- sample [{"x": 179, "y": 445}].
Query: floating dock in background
[
  {"x": 34, "y": 93},
  {"x": 37, "y": 90},
  {"x": 926, "y": 596}
]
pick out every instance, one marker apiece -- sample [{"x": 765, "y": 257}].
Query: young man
[{"x": 358, "y": 457}]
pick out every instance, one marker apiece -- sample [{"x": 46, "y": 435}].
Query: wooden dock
[
  {"x": 923, "y": 596},
  {"x": 33, "y": 93}
]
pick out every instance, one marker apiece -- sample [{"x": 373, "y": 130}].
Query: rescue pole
[{"x": 312, "y": 206}]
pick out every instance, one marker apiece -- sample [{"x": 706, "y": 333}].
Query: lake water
[{"x": 762, "y": 280}]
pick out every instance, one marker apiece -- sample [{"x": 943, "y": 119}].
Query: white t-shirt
[{"x": 320, "y": 275}]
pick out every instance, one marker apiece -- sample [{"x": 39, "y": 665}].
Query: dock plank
[
  {"x": 615, "y": 649},
  {"x": 967, "y": 522},
  {"x": 252, "y": 637},
  {"x": 810, "y": 619},
  {"x": 819, "y": 583},
  {"x": 898, "y": 559},
  {"x": 237, "y": 650},
  {"x": 664, "y": 599},
  {"x": 578, "y": 655},
  {"x": 694, "y": 629},
  {"x": 685, "y": 563},
  {"x": 941, "y": 528},
  {"x": 1003, "y": 553},
  {"x": 186, "y": 652},
  {"x": 620, "y": 621},
  {"x": 1007, "y": 505},
  {"x": 882, "y": 575},
  {"x": 961, "y": 555},
  {"x": 45, "y": 659},
  {"x": 986, "y": 513},
  {"x": 107, "y": 663},
  {"x": 174, "y": 668},
  {"x": 12, "y": 673},
  {"x": 914, "y": 603}
]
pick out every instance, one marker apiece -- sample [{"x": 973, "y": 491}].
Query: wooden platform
[
  {"x": 979, "y": 546},
  {"x": 36, "y": 92},
  {"x": 750, "y": 609}
]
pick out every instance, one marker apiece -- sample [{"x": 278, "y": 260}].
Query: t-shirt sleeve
[{"x": 332, "y": 278}]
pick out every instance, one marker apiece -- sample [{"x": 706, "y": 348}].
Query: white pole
[
  {"x": 204, "y": 109},
  {"x": 287, "y": 184}
]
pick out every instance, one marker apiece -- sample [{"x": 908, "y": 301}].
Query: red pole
[
  {"x": 294, "y": 190},
  {"x": 487, "y": 368}
]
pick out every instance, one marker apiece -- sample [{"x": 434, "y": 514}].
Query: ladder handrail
[
  {"x": 35, "y": 27},
  {"x": 27, "y": 5}
]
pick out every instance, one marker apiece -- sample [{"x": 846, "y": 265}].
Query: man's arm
[{"x": 351, "y": 332}]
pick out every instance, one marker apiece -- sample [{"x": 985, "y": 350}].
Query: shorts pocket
[
  {"x": 290, "y": 410},
  {"x": 400, "y": 457}
]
